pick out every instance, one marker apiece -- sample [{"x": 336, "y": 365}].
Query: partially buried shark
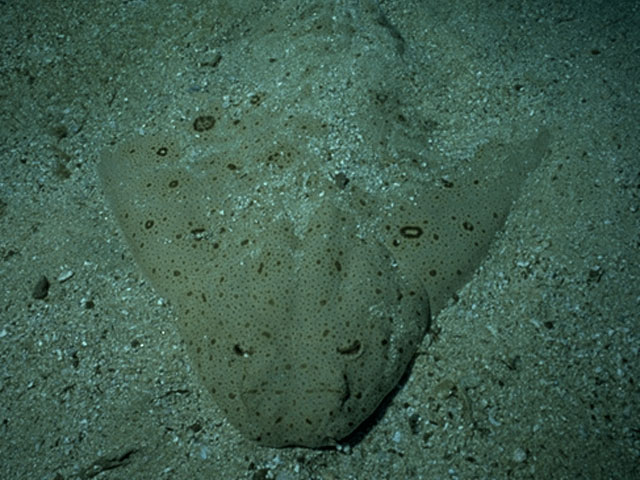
[{"x": 298, "y": 226}]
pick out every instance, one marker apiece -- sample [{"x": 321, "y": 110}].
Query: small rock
[
  {"x": 64, "y": 276},
  {"x": 519, "y": 455},
  {"x": 41, "y": 289}
]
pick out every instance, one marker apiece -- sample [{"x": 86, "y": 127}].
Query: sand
[{"x": 531, "y": 373}]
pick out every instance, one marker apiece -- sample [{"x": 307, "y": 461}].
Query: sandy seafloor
[{"x": 534, "y": 371}]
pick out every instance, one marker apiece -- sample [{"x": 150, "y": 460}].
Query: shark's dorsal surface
[{"x": 297, "y": 226}]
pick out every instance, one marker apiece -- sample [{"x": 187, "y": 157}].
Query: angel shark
[{"x": 297, "y": 224}]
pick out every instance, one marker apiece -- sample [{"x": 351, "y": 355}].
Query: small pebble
[
  {"x": 41, "y": 290},
  {"x": 64, "y": 276},
  {"x": 519, "y": 455}
]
